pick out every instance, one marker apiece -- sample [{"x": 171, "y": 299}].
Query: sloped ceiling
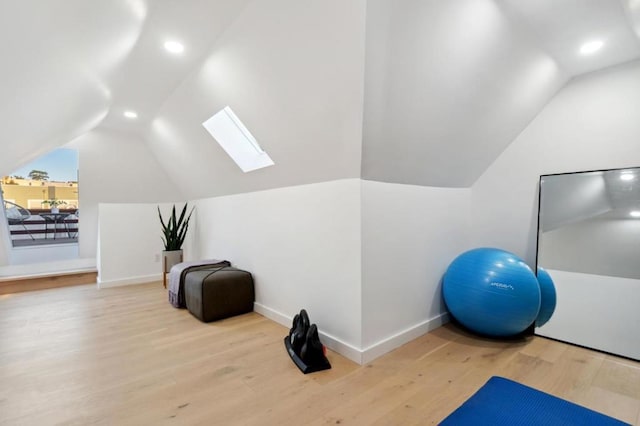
[
  {"x": 446, "y": 85},
  {"x": 56, "y": 59},
  {"x": 71, "y": 66},
  {"x": 559, "y": 27},
  {"x": 450, "y": 84},
  {"x": 292, "y": 71}
]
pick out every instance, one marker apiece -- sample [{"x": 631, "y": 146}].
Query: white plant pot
[
  {"x": 55, "y": 210},
  {"x": 171, "y": 258}
]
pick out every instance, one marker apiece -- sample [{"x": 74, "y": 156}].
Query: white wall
[
  {"x": 43, "y": 254},
  {"x": 410, "y": 234},
  {"x": 364, "y": 258},
  {"x": 49, "y": 264},
  {"x": 591, "y": 124},
  {"x": 302, "y": 245},
  {"x": 130, "y": 244},
  {"x": 294, "y": 80},
  {"x": 116, "y": 168},
  {"x": 596, "y": 311}
]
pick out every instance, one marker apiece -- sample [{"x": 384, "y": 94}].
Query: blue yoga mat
[{"x": 504, "y": 402}]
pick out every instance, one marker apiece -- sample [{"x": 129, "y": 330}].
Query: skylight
[{"x": 227, "y": 129}]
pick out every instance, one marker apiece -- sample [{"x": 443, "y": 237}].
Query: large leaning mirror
[{"x": 589, "y": 242}]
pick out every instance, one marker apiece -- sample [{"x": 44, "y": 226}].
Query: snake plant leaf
[{"x": 174, "y": 229}]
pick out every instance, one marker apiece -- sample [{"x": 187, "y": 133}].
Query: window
[{"x": 41, "y": 200}]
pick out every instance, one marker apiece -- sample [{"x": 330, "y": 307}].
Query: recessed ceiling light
[
  {"x": 591, "y": 47},
  {"x": 626, "y": 176},
  {"x": 635, "y": 213},
  {"x": 173, "y": 46},
  {"x": 131, "y": 114}
]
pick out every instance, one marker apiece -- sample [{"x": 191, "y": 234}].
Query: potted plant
[
  {"x": 53, "y": 204},
  {"x": 174, "y": 231}
]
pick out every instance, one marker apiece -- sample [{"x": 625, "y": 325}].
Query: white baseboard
[
  {"x": 272, "y": 314},
  {"x": 372, "y": 352},
  {"x": 328, "y": 340},
  {"x": 129, "y": 281},
  {"x": 390, "y": 343}
]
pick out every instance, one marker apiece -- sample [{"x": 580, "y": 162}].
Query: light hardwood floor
[
  {"x": 124, "y": 356},
  {"x": 9, "y": 285}
]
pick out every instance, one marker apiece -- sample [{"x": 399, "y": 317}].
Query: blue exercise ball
[
  {"x": 547, "y": 297},
  {"x": 492, "y": 292}
]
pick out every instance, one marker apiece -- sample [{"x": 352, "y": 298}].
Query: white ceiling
[
  {"x": 561, "y": 26},
  {"x": 150, "y": 74},
  {"x": 70, "y": 66},
  {"x": 449, "y": 85}
]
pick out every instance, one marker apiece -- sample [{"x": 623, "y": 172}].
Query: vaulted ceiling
[
  {"x": 446, "y": 85},
  {"x": 450, "y": 84}
]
